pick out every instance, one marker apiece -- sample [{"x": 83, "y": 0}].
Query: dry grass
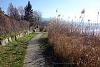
[{"x": 74, "y": 45}]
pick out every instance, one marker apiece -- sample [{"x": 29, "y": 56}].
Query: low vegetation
[
  {"x": 74, "y": 46},
  {"x": 44, "y": 40},
  {"x": 46, "y": 49},
  {"x": 12, "y": 55}
]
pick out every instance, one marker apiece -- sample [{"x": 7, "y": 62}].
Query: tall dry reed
[{"x": 74, "y": 43}]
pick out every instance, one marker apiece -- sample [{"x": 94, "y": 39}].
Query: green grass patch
[
  {"x": 45, "y": 35},
  {"x": 12, "y": 55},
  {"x": 43, "y": 40},
  {"x": 46, "y": 48},
  {"x": 44, "y": 45}
]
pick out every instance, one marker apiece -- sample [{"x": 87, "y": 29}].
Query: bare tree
[
  {"x": 13, "y": 12},
  {"x": 37, "y": 17},
  {"x": 21, "y": 12}
]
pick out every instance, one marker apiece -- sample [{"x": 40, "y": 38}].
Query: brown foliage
[
  {"x": 8, "y": 25},
  {"x": 68, "y": 42}
]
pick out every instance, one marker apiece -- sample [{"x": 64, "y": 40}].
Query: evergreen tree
[
  {"x": 28, "y": 12},
  {"x": 1, "y": 12}
]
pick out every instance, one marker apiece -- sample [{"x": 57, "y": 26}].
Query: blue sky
[{"x": 67, "y": 8}]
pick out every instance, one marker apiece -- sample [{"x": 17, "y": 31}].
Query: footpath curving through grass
[{"x": 12, "y": 55}]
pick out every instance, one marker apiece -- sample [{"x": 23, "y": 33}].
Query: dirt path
[{"x": 34, "y": 57}]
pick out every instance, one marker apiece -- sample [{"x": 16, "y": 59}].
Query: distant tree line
[
  {"x": 27, "y": 13},
  {"x": 19, "y": 19}
]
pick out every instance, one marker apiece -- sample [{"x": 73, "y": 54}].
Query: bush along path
[{"x": 34, "y": 56}]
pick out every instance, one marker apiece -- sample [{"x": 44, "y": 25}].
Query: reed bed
[{"x": 74, "y": 43}]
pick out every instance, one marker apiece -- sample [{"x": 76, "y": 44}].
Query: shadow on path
[{"x": 51, "y": 58}]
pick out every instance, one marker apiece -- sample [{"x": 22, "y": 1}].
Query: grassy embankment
[{"x": 12, "y": 55}]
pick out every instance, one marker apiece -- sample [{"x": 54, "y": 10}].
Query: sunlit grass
[
  {"x": 43, "y": 40},
  {"x": 12, "y": 55}
]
